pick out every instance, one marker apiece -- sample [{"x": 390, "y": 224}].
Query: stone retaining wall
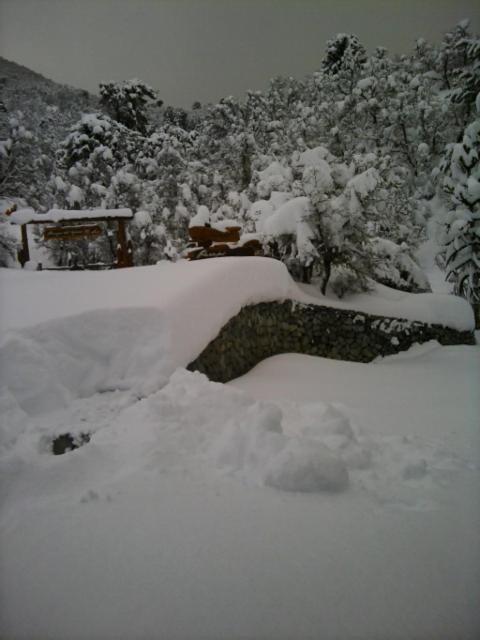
[{"x": 263, "y": 330}]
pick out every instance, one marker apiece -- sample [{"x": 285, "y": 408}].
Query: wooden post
[
  {"x": 24, "y": 253},
  {"x": 124, "y": 258}
]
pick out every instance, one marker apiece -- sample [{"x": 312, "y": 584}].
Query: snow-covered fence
[{"x": 263, "y": 330}]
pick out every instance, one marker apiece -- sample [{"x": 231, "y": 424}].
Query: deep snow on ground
[{"x": 310, "y": 498}]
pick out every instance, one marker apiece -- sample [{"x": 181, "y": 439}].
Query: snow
[
  {"x": 432, "y": 308},
  {"x": 317, "y": 178},
  {"x": 286, "y": 218},
  {"x": 201, "y": 218},
  {"x": 260, "y": 211},
  {"x": 276, "y": 177},
  {"x": 127, "y": 328},
  {"x": 27, "y": 215},
  {"x": 364, "y": 183},
  {"x": 311, "y": 157},
  {"x": 142, "y": 219},
  {"x": 256, "y": 449},
  {"x": 75, "y": 196},
  {"x": 395, "y": 262},
  {"x": 309, "y": 498}
]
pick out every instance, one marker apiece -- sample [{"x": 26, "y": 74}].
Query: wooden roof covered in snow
[{"x": 27, "y": 216}]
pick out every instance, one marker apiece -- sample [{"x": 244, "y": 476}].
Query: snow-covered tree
[
  {"x": 467, "y": 90},
  {"x": 461, "y": 183},
  {"x": 344, "y": 58},
  {"x": 148, "y": 239},
  {"x": 342, "y": 231},
  {"x": 126, "y": 102},
  {"x": 324, "y": 232},
  {"x": 15, "y": 156},
  {"x": 88, "y": 159},
  {"x": 8, "y": 242}
]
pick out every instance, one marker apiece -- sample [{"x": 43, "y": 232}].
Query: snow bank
[
  {"x": 431, "y": 308},
  {"x": 72, "y": 334},
  {"x": 49, "y": 365}
]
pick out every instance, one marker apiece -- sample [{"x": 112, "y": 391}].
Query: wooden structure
[
  {"x": 209, "y": 242},
  {"x": 82, "y": 224}
]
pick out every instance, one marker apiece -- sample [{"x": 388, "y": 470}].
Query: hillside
[{"x": 40, "y": 99}]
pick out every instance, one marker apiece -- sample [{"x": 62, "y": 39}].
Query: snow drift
[{"x": 69, "y": 335}]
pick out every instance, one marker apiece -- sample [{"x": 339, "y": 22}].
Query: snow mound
[
  {"x": 46, "y": 366},
  {"x": 307, "y": 467},
  {"x": 256, "y": 448},
  {"x": 69, "y": 335},
  {"x": 12, "y": 419}
]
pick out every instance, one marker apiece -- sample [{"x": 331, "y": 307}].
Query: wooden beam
[{"x": 124, "y": 256}]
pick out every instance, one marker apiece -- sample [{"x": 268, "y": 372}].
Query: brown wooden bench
[{"x": 214, "y": 243}]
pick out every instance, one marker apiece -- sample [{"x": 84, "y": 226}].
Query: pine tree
[
  {"x": 15, "y": 157},
  {"x": 344, "y": 58},
  {"x": 126, "y": 102},
  {"x": 461, "y": 183}
]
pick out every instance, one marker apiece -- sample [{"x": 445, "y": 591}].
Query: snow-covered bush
[
  {"x": 8, "y": 244},
  {"x": 344, "y": 280},
  {"x": 394, "y": 266},
  {"x": 148, "y": 239},
  {"x": 275, "y": 177},
  {"x": 292, "y": 236}
]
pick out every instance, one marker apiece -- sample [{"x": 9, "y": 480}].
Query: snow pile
[
  {"x": 256, "y": 448},
  {"x": 431, "y": 308},
  {"x": 201, "y": 218},
  {"x": 12, "y": 419},
  {"x": 84, "y": 339},
  {"x": 74, "y": 334},
  {"x": 47, "y": 366}
]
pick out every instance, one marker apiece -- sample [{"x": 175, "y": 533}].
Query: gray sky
[{"x": 205, "y": 49}]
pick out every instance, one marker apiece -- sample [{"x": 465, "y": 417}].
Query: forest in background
[{"x": 342, "y": 175}]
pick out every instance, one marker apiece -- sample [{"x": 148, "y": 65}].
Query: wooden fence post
[
  {"x": 24, "y": 253},
  {"x": 124, "y": 257}
]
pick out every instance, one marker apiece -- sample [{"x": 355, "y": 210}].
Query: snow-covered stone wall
[{"x": 262, "y": 330}]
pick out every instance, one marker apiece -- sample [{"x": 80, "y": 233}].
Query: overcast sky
[{"x": 205, "y": 49}]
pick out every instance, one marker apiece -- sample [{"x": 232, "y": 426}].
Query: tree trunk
[{"x": 327, "y": 263}]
